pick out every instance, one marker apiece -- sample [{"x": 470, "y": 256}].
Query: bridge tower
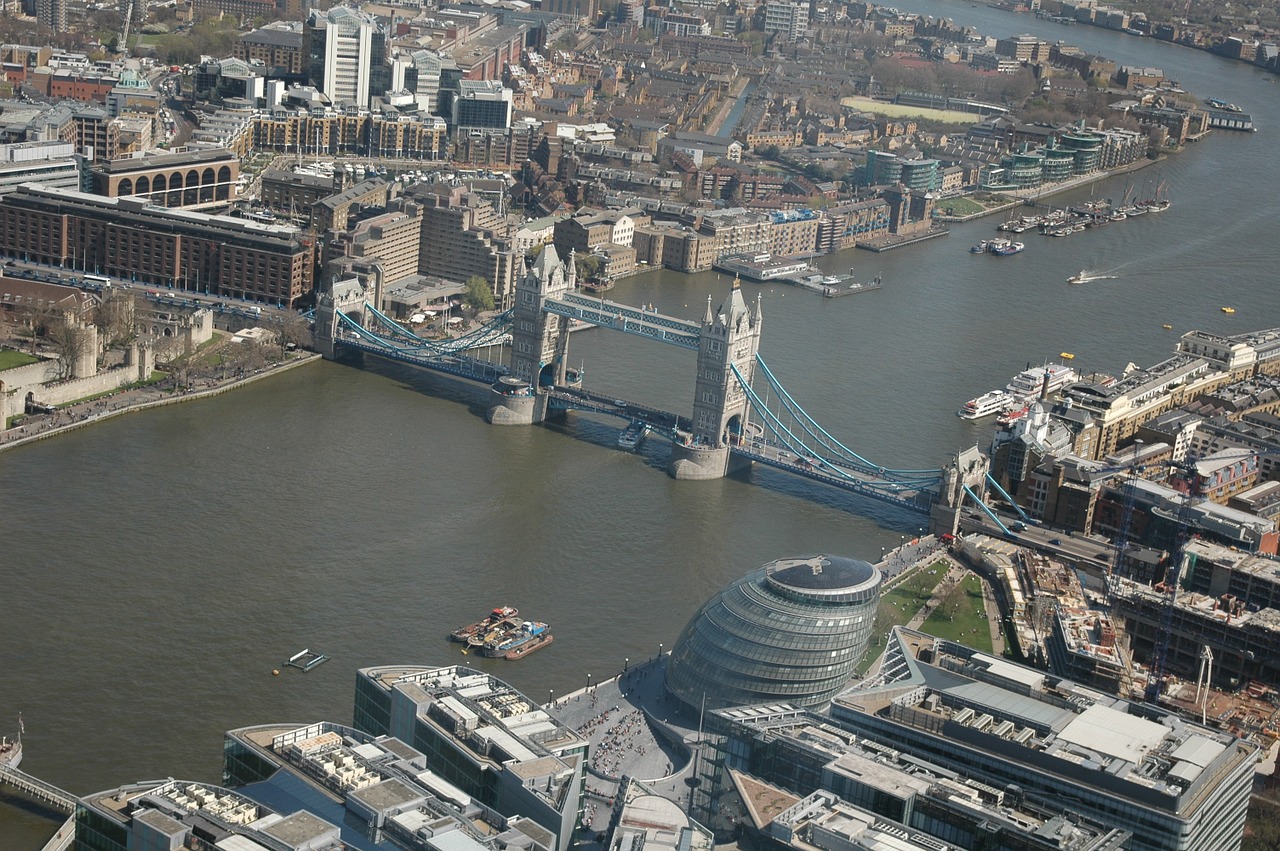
[
  {"x": 347, "y": 297},
  {"x": 539, "y": 342},
  {"x": 730, "y": 337},
  {"x": 969, "y": 469}
]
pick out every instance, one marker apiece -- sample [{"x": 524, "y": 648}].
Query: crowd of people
[{"x": 622, "y": 735}]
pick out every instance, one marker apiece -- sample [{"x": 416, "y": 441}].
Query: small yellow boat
[
  {"x": 1228, "y": 310},
  {"x": 1167, "y": 327},
  {"x": 1066, "y": 356}
]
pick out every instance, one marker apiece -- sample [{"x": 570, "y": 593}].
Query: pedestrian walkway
[
  {"x": 634, "y": 730},
  {"x": 79, "y": 414}
]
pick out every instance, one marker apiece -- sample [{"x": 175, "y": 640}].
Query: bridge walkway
[
  {"x": 46, "y": 793},
  {"x": 623, "y": 317}
]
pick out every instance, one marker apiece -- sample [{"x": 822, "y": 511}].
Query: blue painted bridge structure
[{"x": 742, "y": 413}]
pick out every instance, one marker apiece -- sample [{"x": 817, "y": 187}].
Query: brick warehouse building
[
  {"x": 131, "y": 239},
  {"x": 203, "y": 176}
]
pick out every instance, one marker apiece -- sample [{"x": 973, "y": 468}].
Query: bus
[{"x": 99, "y": 281}]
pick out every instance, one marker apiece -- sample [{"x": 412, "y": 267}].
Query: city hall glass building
[{"x": 793, "y": 631}]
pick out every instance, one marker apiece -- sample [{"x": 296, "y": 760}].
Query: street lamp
[
  {"x": 626, "y": 663},
  {"x": 659, "y": 649},
  {"x": 588, "y": 682},
  {"x": 551, "y": 696}
]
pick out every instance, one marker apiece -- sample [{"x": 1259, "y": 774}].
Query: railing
[
  {"x": 44, "y": 792},
  {"x": 631, "y": 320}
]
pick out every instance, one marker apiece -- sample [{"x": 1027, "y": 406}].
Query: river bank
[
  {"x": 93, "y": 411},
  {"x": 1022, "y": 197}
]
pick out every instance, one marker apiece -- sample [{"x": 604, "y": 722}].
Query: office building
[
  {"x": 47, "y": 163},
  {"x": 788, "y": 18},
  {"x": 483, "y": 737},
  {"x": 793, "y": 630},
  {"x": 388, "y": 242},
  {"x": 173, "y": 814},
  {"x": 940, "y": 810},
  {"x": 482, "y": 105},
  {"x": 464, "y": 235},
  {"x": 1177, "y": 786},
  {"x": 134, "y": 240},
  {"x": 52, "y": 14},
  {"x": 278, "y": 46},
  {"x": 389, "y": 792},
  {"x": 346, "y": 55}
]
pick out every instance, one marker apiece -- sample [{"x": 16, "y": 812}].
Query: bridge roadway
[
  {"x": 781, "y": 457},
  {"x": 456, "y": 365},
  {"x": 628, "y": 319},
  {"x": 661, "y": 422},
  {"x": 676, "y": 428},
  {"x": 44, "y": 792}
]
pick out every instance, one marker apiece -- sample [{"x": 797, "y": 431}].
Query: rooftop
[{"x": 1076, "y": 734}]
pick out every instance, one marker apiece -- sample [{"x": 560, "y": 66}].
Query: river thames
[{"x": 158, "y": 566}]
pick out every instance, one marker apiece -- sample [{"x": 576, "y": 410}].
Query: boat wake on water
[{"x": 1085, "y": 277}]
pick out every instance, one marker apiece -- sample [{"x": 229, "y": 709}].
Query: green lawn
[
  {"x": 960, "y": 206},
  {"x": 899, "y": 605},
  {"x": 962, "y": 616},
  {"x": 10, "y": 358}
]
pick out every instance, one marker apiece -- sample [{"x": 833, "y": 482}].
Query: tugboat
[
  {"x": 981, "y": 248},
  {"x": 495, "y": 617},
  {"x": 513, "y": 640},
  {"x": 529, "y": 646}
]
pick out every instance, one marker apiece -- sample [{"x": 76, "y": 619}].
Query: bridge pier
[
  {"x": 699, "y": 463},
  {"x": 513, "y": 403}
]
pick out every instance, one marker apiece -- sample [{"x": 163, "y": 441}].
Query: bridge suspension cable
[
  {"x": 821, "y": 436},
  {"x": 489, "y": 334},
  {"x": 872, "y": 478}
]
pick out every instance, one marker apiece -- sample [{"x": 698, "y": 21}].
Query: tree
[
  {"x": 116, "y": 319},
  {"x": 291, "y": 331},
  {"x": 479, "y": 295},
  {"x": 70, "y": 342},
  {"x": 587, "y": 266}
]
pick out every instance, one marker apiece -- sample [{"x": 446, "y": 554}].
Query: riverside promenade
[
  {"x": 635, "y": 730},
  {"x": 92, "y": 411}
]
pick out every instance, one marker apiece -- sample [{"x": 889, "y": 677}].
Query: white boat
[
  {"x": 632, "y": 436},
  {"x": 1028, "y": 383},
  {"x": 985, "y": 405}
]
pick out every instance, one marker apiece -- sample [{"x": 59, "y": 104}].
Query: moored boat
[
  {"x": 1007, "y": 248},
  {"x": 494, "y": 617},
  {"x": 981, "y": 248},
  {"x": 985, "y": 405},
  {"x": 528, "y": 647},
  {"x": 514, "y": 639},
  {"x": 1028, "y": 383},
  {"x": 632, "y": 436},
  {"x": 1011, "y": 415},
  {"x": 10, "y": 752}
]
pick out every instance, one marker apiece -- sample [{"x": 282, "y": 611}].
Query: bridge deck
[
  {"x": 661, "y": 422},
  {"x": 846, "y": 478},
  {"x": 631, "y": 320},
  {"x": 35, "y": 787},
  {"x": 456, "y": 365}
]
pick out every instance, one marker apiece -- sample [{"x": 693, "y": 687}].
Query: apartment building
[{"x": 132, "y": 239}]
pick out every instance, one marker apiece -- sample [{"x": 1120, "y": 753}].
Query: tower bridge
[{"x": 732, "y": 425}]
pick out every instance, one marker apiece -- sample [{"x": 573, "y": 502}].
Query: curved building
[{"x": 792, "y": 631}]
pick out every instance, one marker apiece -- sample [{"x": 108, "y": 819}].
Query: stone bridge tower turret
[
  {"x": 730, "y": 339},
  {"x": 539, "y": 342}
]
